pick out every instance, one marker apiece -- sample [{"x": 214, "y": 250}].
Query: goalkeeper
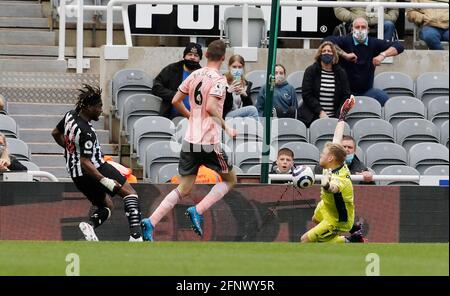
[{"x": 335, "y": 212}]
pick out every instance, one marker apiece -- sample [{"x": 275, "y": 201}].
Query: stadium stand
[
  {"x": 372, "y": 130},
  {"x": 31, "y": 166},
  {"x": 254, "y": 170},
  {"x": 258, "y": 80},
  {"x": 296, "y": 80},
  {"x": 322, "y": 130},
  {"x": 248, "y": 154},
  {"x": 247, "y": 129},
  {"x": 436, "y": 170},
  {"x": 399, "y": 108},
  {"x": 167, "y": 171},
  {"x": 381, "y": 155},
  {"x": 181, "y": 129},
  {"x": 8, "y": 126},
  {"x": 400, "y": 170},
  {"x": 158, "y": 154},
  {"x": 395, "y": 84},
  {"x": 444, "y": 134},
  {"x": 285, "y": 130},
  {"x": 425, "y": 155},
  {"x": 413, "y": 131},
  {"x": 365, "y": 107},
  {"x": 437, "y": 111},
  {"x": 430, "y": 85},
  {"x": 304, "y": 153},
  {"x": 19, "y": 149}
]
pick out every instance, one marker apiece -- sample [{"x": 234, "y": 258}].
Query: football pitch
[{"x": 220, "y": 258}]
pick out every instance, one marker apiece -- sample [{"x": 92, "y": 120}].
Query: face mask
[
  {"x": 360, "y": 35},
  {"x": 191, "y": 65},
  {"x": 280, "y": 79},
  {"x": 237, "y": 72},
  {"x": 349, "y": 158},
  {"x": 326, "y": 58}
]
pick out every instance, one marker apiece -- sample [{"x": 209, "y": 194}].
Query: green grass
[{"x": 220, "y": 258}]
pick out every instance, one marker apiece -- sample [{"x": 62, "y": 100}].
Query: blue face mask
[
  {"x": 237, "y": 72},
  {"x": 326, "y": 58},
  {"x": 349, "y": 158}
]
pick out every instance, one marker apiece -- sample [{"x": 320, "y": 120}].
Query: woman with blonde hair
[
  {"x": 325, "y": 86},
  {"x": 237, "y": 101}
]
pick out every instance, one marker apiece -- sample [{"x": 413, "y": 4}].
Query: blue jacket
[
  {"x": 361, "y": 74},
  {"x": 284, "y": 96}
]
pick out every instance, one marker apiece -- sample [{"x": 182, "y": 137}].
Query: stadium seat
[
  {"x": 285, "y": 130},
  {"x": 181, "y": 129},
  {"x": 177, "y": 119},
  {"x": 381, "y": 155},
  {"x": 413, "y": 131},
  {"x": 395, "y": 84},
  {"x": 247, "y": 129},
  {"x": 19, "y": 149},
  {"x": 399, "y": 170},
  {"x": 150, "y": 129},
  {"x": 249, "y": 154},
  {"x": 399, "y": 108},
  {"x": 372, "y": 130},
  {"x": 127, "y": 82},
  {"x": 304, "y": 153},
  {"x": 360, "y": 154},
  {"x": 232, "y": 26},
  {"x": 255, "y": 170},
  {"x": 8, "y": 126},
  {"x": 436, "y": 170},
  {"x": 137, "y": 106},
  {"x": 296, "y": 80},
  {"x": 430, "y": 85},
  {"x": 158, "y": 154},
  {"x": 365, "y": 107},
  {"x": 444, "y": 134},
  {"x": 237, "y": 170},
  {"x": 322, "y": 131},
  {"x": 31, "y": 166},
  {"x": 166, "y": 172},
  {"x": 258, "y": 79},
  {"x": 425, "y": 155},
  {"x": 437, "y": 111}
]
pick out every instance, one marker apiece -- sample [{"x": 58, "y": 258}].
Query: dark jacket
[
  {"x": 246, "y": 100},
  {"x": 16, "y": 165},
  {"x": 356, "y": 166},
  {"x": 310, "y": 109},
  {"x": 166, "y": 85},
  {"x": 284, "y": 100}
]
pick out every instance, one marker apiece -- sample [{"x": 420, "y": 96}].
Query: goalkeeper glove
[
  {"x": 346, "y": 107},
  {"x": 326, "y": 179}
]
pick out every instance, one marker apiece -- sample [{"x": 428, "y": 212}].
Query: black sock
[
  {"x": 100, "y": 216},
  {"x": 133, "y": 214}
]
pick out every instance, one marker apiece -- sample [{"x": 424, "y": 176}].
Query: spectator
[
  {"x": 237, "y": 101},
  {"x": 166, "y": 83},
  {"x": 8, "y": 162},
  {"x": 284, "y": 96},
  {"x": 284, "y": 163},
  {"x": 348, "y": 15},
  {"x": 352, "y": 161},
  {"x": 433, "y": 23},
  {"x": 360, "y": 55},
  {"x": 325, "y": 86},
  {"x": 2, "y": 105}
]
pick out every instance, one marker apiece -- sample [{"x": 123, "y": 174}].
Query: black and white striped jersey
[{"x": 80, "y": 140}]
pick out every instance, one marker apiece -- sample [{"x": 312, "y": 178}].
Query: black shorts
[
  {"x": 93, "y": 189},
  {"x": 192, "y": 156}
]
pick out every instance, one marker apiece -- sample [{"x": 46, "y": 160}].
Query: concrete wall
[{"x": 153, "y": 59}]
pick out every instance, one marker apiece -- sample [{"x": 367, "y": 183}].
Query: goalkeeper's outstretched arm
[{"x": 340, "y": 126}]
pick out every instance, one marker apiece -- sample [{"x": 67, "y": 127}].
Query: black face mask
[{"x": 191, "y": 65}]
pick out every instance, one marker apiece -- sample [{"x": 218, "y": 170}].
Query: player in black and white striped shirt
[{"x": 91, "y": 174}]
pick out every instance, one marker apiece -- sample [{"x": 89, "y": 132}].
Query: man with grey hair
[{"x": 360, "y": 54}]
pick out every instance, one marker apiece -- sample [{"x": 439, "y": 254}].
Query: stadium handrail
[
  {"x": 358, "y": 178},
  {"x": 123, "y": 6},
  {"x": 29, "y": 175}
]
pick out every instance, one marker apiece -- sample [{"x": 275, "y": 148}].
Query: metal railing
[
  {"x": 123, "y": 6},
  {"x": 357, "y": 178}
]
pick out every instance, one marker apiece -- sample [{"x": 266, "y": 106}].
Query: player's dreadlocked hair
[{"x": 89, "y": 96}]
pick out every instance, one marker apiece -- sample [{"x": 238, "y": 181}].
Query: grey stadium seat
[
  {"x": 296, "y": 80},
  {"x": 304, "y": 153},
  {"x": 249, "y": 154},
  {"x": 18, "y": 148},
  {"x": 365, "y": 107},
  {"x": 255, "y": 170},
  {"x": 150, "y": 129},
  {"x": 285, "y": 130},
  {"x": 181, "y": 130},
  {"x": 158, "y": 154},
  {"x": 413, "y": 131},
  {"x": 247, "y": 129},
  {"x": 400, "y": 170},
  {"x": 322, "y": 131},
  {"x": 372, "y": 130},
  {"x": 381, "y": 155},
  {"x": 437, "y": 111},
  {"x": 8, "y": 126},
  {"x": 257, "y": 30},
  {"x": 430, "y": 85},
  {"x": 31, "y": 166},
  {"x": 444, "y": 134},
  {"x": 425, "y": 155},
  {"x": 137, "y": 106},
  {"x": 127, "y": 82},
  {"x": 166, "y": 172},
  {"x": 237, "y": 170},
  {"x": 395, "y": 84},
  {"x": 399, "y": 108},
  {"x": 360, "y": 154},
  {"x": 436, "y": 170},
  {"x": 258, "y": 79}
]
